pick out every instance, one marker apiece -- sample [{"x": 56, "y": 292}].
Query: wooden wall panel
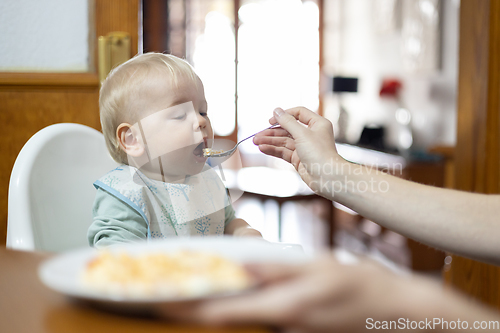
[
  {"x": 156, "y": 26},
  {"x": 25, "y": 111},
  {"x": 119, "y": 15},
  {"x": 32, "y": 101},
  {"x": 478, "y": 133}
]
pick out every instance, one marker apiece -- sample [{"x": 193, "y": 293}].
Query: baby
[{"x": 155, "y": 123}]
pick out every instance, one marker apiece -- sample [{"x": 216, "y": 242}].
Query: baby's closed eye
[{"x": 179, "y": 116}]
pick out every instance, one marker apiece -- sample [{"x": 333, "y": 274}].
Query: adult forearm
[
  {"x": 459, "y": 222},
  {"x": 455, "y": 221}
]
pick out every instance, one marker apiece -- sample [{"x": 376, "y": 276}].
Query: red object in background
[{"x": 390, "y": 87}]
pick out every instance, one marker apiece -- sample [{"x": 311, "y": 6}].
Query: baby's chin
[
  {"x": 172, "y": 171},
  {"x": 194, "y": 168},
  {"x": 183, "y": 170}
]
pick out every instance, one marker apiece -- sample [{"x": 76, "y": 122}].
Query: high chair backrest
[{"x": 51, "y": 192}]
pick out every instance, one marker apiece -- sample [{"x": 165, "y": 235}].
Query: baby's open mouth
[{"x": 198, "y": 151}]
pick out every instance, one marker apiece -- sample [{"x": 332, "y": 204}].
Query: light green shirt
[{"x": 115, "y": 222}]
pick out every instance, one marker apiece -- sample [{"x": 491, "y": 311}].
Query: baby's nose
[{"x": 201, "y": 122}]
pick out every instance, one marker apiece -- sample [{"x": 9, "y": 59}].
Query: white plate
[{"x": 63, "y": 272}]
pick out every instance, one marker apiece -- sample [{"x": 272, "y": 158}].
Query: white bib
[{"x": 195, "y": 208}]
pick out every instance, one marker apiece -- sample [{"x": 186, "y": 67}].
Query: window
[
  {"x": 278, "y": 61},
  {"x": 269, "y": 59}
]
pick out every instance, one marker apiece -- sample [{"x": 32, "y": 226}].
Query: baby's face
[{"x": 175, "y": 128}]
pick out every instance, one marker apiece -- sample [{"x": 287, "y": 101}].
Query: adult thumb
[{"x": 288, "y": 122}]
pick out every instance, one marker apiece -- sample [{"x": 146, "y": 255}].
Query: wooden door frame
[
  {"x": 477, "y": 159},
  {"x": 32, "y": 101}
]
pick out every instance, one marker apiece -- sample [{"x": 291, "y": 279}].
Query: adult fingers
[
  {"x": 264, "y": 274},
  {"x": 274, "y": 132},
  {"x": 288, "y": 122},
  {"x": 268, "y": 273},
  {"x": 275, "y": 141},
  {"x": 278, "y": 304},
  {"x": 280, "y": 152},
  {"x": 302, "y": 114},
  {"x": 297, "y": 289}
]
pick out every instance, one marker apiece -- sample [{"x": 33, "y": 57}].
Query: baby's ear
[{"x": 130, "y": 140}]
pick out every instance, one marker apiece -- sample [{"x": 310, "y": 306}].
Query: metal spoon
[{"x": 208, "y": 152}]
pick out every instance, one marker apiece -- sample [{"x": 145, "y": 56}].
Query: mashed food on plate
[{"x": 179, "y": 274}]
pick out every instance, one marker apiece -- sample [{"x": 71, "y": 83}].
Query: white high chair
[{"x": 51, "y": 192}]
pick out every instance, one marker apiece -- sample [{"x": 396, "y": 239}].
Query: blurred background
[{"x": 383, "y": 71}]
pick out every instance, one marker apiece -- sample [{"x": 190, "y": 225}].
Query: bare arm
[{"x": 459, "y": 222}]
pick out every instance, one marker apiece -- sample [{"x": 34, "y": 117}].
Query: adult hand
[
  {"x": 326, "y": 296},
  {"x": 247, "y": 232},
  {"x": 423, "y": 213},
  {"x": 240, "y": 228},
  {"x": 308, "y": 148}
]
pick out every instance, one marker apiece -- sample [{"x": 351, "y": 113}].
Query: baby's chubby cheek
[
  {"x": 182, "y": 166},
  {"x": 175, "y": 145}
]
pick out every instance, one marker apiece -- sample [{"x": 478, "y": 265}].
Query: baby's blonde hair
[{"x": 128, "y": 81}]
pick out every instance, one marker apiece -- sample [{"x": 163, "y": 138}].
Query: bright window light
[
  {"x": 213, "y": 59},
  {"x": 278, "y": 61}
]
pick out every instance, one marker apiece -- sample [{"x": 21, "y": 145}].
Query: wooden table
[{"x": 26, "y": 305}]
